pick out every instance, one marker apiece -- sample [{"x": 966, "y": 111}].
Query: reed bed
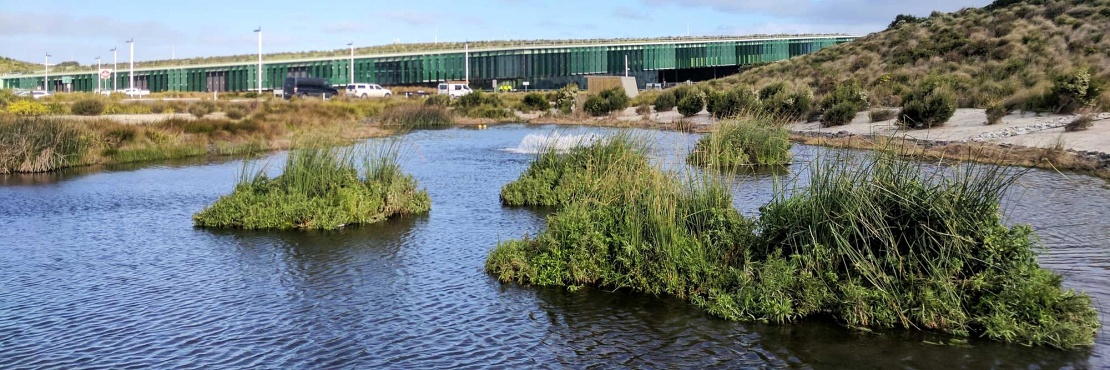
[
  {"x": 321, "y": 188},
  {"x": 874, "y": 241},
  {"x": 555, "y": 178},
  {"x": 416, "y": 116},
  {"x": 34, "y": 144},
  {"x": 743, "y": 142}
]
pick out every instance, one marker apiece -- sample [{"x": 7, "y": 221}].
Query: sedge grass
[
  {"x": 743, "y": 142},
  {"x": 555, "y": 178},
  {"x": 321, "y": 188},
  {"x": 33, "y": 144},
  {"x": 875, "y": 241}
]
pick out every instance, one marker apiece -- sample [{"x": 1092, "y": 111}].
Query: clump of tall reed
[
  {"x": 885, "y": 242},
  {"x": 743, "y": 142},
  {"x": 872, "y": 242},
  {"x": 33, "y": 144},
  {"x": 555, "y": 178},
  {"x": 413, "y": 116},
  {"x": 321, "y": 188},
  {"x": 630, "y": 226}
]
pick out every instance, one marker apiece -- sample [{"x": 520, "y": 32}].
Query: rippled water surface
[{"x": 103, "y": 269}]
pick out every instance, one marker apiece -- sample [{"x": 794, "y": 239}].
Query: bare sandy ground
[{"x": 968, "y": 125}]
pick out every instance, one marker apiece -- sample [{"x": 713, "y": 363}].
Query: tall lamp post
[
  {"x": 98, "y": 78},
  {"x": 352, "y": 73},
  {"x": 131, "y": 72},
  {"x": 114, "y": 67},
  {"x": 46, "y": 77},
  {"x": 259, "y": 31}
]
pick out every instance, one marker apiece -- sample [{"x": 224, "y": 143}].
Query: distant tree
[{"x": 904, "y": 19}]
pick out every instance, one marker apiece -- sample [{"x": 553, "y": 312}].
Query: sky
[{"x": 81, "y": 30}]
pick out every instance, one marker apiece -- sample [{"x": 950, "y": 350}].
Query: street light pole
[
  {"x": 259, "y": 30},
  {"x": 352, "y": 45},
  {"x": 46, "y": 77},
  {"x": 131, "y": 73},
  {"x": 98, "y": 78},
  {"x": 114, "y": 67}
]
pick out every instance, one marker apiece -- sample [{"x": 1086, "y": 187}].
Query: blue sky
[{"x": 81, "y": 30}]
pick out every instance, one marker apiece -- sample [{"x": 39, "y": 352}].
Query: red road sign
[{"x": 105, "y": 74}]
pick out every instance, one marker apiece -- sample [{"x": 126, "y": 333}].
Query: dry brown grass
[{"x": 1009, "y": 54}]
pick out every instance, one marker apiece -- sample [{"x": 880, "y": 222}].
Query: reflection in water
[{"x": 103, "y": 268}]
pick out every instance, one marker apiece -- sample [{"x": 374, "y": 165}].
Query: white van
[
  {"x": 454, "y": 89},
  {"x": 367, "y": 91}
]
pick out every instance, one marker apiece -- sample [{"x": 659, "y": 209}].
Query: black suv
[{"x": 307, "y": 86}]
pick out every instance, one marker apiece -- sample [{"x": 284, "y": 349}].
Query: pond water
[{"x": 103, "y": 269}]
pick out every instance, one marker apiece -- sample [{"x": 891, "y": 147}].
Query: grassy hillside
[
  {"x": 1018, "y": 54},
  {"x": 12, "y": 65}
]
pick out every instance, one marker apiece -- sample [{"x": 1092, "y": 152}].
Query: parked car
[
  {"x": 368, "y": 91},
  {"x": 304, "y": 87},
  {"x": 454, "y": 89},
  {"x": 135, "y": 93},
  {"x": 37, "y": 94}
]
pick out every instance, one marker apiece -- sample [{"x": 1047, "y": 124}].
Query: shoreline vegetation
[
  {"x": 873, "y": 241},
  {"x": 321, "y": 188}
]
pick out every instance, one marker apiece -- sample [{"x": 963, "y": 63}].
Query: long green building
[{"x": 543, "y": 66}]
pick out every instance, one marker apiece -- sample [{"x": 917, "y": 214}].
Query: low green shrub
[
  {"x": 743, "y": 142},
  {"x": 88, "y": 107},
  {"x": 691, "y": 104},
  {"x": 535, "y": 102},
  {"x": 723, "y": 104},
  {"x": 1074, "y": 90},
  {"x": 616, "y": 98},
  {"x": 838, "y": 115},
  {"x": 596, "y": 106},
  {"x": 927, "y": 107},
  {"x": 321, "y": 189},
  {"x": 665, "y": 101},
  {"x": 846, "y": 97},
  {"x": 787, "y": 104}
]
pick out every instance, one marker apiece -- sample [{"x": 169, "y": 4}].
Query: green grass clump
[
  {"x": 556, "y": 178},
  {"x": 629, "y": 226},
  {"x": 743, "y": 142},
  {"x": 888, "y": 243},
  {"x": 872, "y": 243},
  {"x": 321, "y": 189},
  {"x": 32, "y": 144}
]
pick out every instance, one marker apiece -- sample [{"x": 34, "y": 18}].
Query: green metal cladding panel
[{"x": 512, "y": 64}]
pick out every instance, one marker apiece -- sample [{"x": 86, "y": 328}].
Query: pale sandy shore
[{"x": 968, "y": 125}]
